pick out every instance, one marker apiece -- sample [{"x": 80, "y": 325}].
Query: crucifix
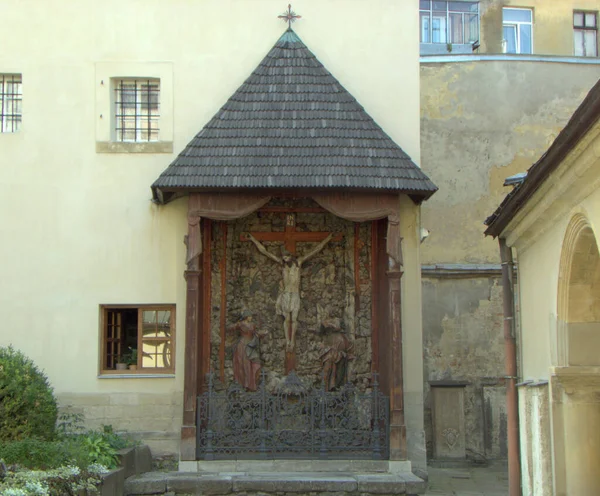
[
  {"x": 288, "y": 301},
  {"x": 289, "y": 16}
]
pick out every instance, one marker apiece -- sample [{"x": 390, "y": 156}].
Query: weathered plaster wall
[
  {"x": 463, "y": 341},
  {"x": 480, "y": 123}
]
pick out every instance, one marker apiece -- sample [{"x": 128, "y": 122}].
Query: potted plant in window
[
  {"x": 131, "y": 358},
  {"x": 122, "y": 362}
]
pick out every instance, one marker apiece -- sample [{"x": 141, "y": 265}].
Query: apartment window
[
  {"x": 137, "y": 110},
  {"x": 585, "y": 32},
  {"x": 518, "y": 30},
  {"x": 138, "y": 339},
  {"x": 11, "y": 97},
  {"x": 449, "y": 22}
]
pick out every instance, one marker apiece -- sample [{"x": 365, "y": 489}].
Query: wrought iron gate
[{"x": 292, "y": 422}]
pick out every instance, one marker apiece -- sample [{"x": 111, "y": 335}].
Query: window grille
[
  {"x": 137, "y": 109},
  {"x": 11, "y": 96},
  {"x": 585, "y": 33},
  {"x": 449, "y": 22}
]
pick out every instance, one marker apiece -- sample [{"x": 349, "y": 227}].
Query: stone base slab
[
  {"x": 274, "y": 483},
  {"x": 332, "y": 466}
]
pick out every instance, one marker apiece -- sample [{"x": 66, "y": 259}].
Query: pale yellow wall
[
  {"x": 537, "y": 233},
  {"x": 552, "y": 24},
  {"x": 78, "y": 227}
]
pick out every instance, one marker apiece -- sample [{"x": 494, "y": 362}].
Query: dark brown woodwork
[
  {"x": 375, "y": 303},
  {"x": 223, "y": 269},
  {"x": 356, "y": 268},
  {"x": 290, "y": 236},
  {"x": 397, "y": 425},
  {"x": 204, "y": 351},
  {"x": 281, "y": 209},
  {"x": 193, "y": 312}
]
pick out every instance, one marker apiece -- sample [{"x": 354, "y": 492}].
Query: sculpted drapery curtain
[{"x": 356, "y": 207}]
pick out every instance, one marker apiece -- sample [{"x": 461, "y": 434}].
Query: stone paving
[{"x": 471, "y": 481}]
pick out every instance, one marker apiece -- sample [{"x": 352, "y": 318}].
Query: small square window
[
  {"x": 137, "y": 109},
  {"x": 11, "y": 97},
  {"x": 138, "y": 339}
]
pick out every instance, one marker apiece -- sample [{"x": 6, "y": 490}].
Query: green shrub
[
  {"x": 27, "y": 404},
  {"x": 39, "y": 454},
  {"x": 67, "y": 480}
]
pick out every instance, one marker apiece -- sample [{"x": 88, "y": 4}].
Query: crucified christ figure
[{"x": 288, "y": 301}]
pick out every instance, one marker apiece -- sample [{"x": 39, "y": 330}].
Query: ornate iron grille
[{"x": 292, "y": 422}]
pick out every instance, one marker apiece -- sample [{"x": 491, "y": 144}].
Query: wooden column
[
  {"x": 193, "y": 318},
  {"x": 397, "y": 424}
]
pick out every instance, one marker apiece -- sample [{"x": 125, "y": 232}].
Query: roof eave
[{"x": 162, "y": 196}]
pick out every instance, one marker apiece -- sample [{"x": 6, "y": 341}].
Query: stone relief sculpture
[
  {"x": 288, "y": 301},
  {"x": 246, "y": 352},
  {"x": 337, "y": 352}
]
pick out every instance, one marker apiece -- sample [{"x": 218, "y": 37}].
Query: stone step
[{"x": 273, "y": 483}]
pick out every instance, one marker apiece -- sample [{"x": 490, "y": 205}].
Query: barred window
[
  {"x": 11, "y": 96},
  {"x": 137, "y": 109}
]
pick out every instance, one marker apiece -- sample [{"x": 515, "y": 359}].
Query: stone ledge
[{"x": 274, "y": 483}]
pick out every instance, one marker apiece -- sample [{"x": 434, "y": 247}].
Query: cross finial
[{"x": 289, "y": 16}]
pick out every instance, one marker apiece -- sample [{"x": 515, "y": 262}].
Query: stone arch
[
  {"x": 579, "y": 295},
  {"x": 575, "y": 384}
]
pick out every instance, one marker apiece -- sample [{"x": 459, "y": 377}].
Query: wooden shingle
[{"x": 291, "y": 124}]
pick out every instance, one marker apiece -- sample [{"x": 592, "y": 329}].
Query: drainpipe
[{"x": 510, "y": 365}]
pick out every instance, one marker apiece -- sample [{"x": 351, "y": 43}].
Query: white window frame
[
  {"x": 517, "y": 26},
  {"x": 447, "y": 31},
  {"x": 11, "y": 103},
  {"x": 583, "y": 29}
]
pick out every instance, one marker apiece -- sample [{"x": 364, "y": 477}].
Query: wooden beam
[
  {"x": 397, "y": 424},
  {"x": 204, "y": 365},
  {"x": 223, "y": 309},
  {"x": 278, "y": 209},
  {"x": 356, "y": 268},
  {"x": 375, "y": 308},
  {"x": 193, "y": 316}
]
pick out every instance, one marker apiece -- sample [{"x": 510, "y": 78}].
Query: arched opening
[
  {"x": 575, "y": 400},
  {"x": 579, "y": 296}
]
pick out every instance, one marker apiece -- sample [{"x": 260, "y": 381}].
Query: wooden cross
[{"x": 290, "y": 236}]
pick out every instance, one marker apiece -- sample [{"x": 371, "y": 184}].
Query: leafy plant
[
  {"x": 99, "y": 450},
  {"x": 69, "y": 424},
  {"x": 68, "y": 480},
  {"x": 27, "y": 404},
  {"x": 130, "y": 357}
]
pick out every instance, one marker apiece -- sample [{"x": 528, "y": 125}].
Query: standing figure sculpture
[
  {"x": 288, "y": 301},
  {"x": 337, "y": 352},
  {"x": 246, "y": 352}
]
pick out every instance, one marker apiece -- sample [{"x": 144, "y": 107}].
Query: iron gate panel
[{"x": 292, "y": 422}]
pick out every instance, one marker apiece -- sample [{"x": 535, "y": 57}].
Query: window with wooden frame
[
  {"x": 585, "y": 33},
  {"x": 138, "y": 339}
]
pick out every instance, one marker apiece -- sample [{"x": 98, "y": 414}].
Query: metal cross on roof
[{"x": 289, "y": 16}]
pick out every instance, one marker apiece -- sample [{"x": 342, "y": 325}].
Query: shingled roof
[{"x": 292, "y": 125}]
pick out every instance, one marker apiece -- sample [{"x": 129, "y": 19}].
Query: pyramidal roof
[{"x": 292, "y": 125}]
